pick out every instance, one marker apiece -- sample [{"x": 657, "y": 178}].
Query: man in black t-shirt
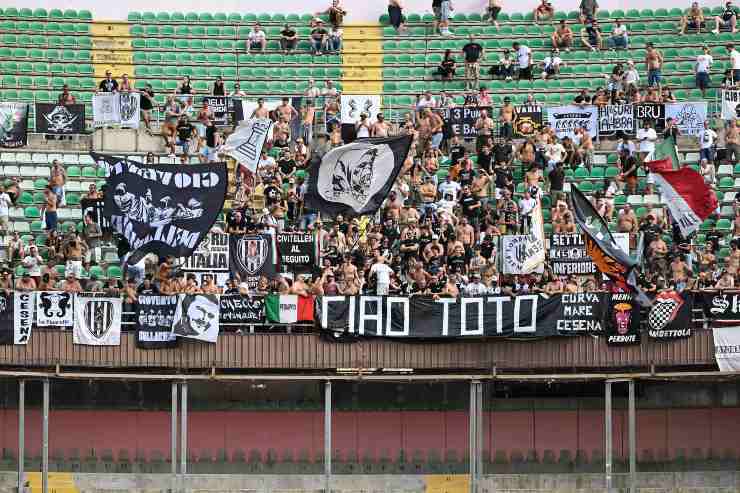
[
  {"x": 503, "y": 152},
  {"x": 109, "y": 84},
  {"x": 470, "y": 205},
  {"x": 557, "y": 179},
  {"x": 319, "y": 39},
  {"x": 485, "y": 160},
  {"x": 473, "y": 52},
  {"x": 288, "y": 39},
  {"x": 185, "y": 131},
  {"x": 286, "y": 163},
  {"x": 726, "y": 20},
  {"x": 457, "y": 150},
  {"x": 147, "y": 104}
]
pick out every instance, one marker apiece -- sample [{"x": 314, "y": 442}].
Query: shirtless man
[
  {"x": 437, "y": 124},
  {"x": 408, "y": 214},
  {"x": 732, "y": 140},
  {"x": 627, "y": 221},
  {"x": 71, "y": 284},
  {"x": 506, "y": 117},
  {"x": 562, "y": 37},
  {"x": 74, "y": 251},
  {"x": 424, "y": 124},
  {"x": 286, "y": 111},
  {"x": 481, "y": 185},
  {"x": 680, "y": 270},
  {"x": 380, "y": 128},
  {"x": 50, "y": 206},
  {"x": 694, "y": 19},
  {"x": 585, "y": 148},
  {"x": 25, "y": 283},
  {"x": 465, "y": 234},
  {"x": 653, "y": 63},
  {"x": 567, "y": 226},
  {"x": 261, "y": 111},
  {"x": 57, "y": 179}
]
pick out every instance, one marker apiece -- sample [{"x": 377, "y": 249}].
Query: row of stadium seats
[
  {"x": 27, "y": 40},
  {"x": 52, "y": 55},
  {"x": 41, "y": 13},
  {"x": 8, "y": 26}
]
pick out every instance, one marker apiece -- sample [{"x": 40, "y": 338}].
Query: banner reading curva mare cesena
[{"x": 423, "y": 317}]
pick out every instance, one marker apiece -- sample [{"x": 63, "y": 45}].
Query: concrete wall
[{"x": 688, "y": 482}]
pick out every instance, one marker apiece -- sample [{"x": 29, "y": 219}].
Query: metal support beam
[
  {"x": 632, "y": 418},
  {"x": 327, "y": 435},
  {"x": 173, "y": 438},
  {"x": 184, "y": 430},
  {"x": 45, "y": 441},
  {"x": 21, "y": 433},
  {"x": 475, "y": 433},
  {"x": 608, "y": 434}
]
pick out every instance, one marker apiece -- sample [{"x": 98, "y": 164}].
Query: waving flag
[
  {"x": 689, "y": 199},
  {"x": 246, "y": 143},
  {"x": 355, "y": 179},
  {"x": 666, "y": 150},
  {"x": 609, "y": 259}
]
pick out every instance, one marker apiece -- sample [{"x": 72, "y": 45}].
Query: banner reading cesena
[{"x": 423, "y": 317}]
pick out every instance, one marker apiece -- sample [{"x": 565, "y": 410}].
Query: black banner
[
  {"x": 155, "y": 315},
  {"x": 7, "y": 318},
  {"x": 721, "y": 306},
  {"x": 13, "y": 124},
  {"x": 297, "y": 250},
  {"x": 240, "y": 309},
  {"x": 59, "y": 119},
  {"x": 423, "y": 317},
  {"x": 528, "y": 121},
  {"x": 460, "y": 120},
  {"x": 211, "y": 255},
  {"x": 654, "y": 112},
  {"x": 220, "y": 107},
  {"x": 96, "y": 207},
  {"x": 616, "y": 118},
  {"x": 622, "y": 320},
  {"x": 252, "y": 256},
  {"x": 163, "y": 209},
  {"x": 568, "y": 255},
  {"x": 670, "y": 315}
]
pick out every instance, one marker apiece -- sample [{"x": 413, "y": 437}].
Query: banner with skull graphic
[
  {"x": 97, "y": 320},
  {"x": 54, "y": 309},
  {"x": 59, "y": 119},
  {"x": 163, "y": 209},
  {"x": 355, "y": 179},
  {"x": 197, "y": 317},
  {"x": 252, "y": 257},
  {"x": 622, "y": 320}
]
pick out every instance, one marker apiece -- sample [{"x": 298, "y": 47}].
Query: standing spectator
[
  {"x": 647, "y": 137},
  {"x": 186, "y": 132},
  {"x": 494, "y": 8},
  {"x": 473, "y": 52},
  {"x": 288, "y": 39},
  {"x": 563, "y": 36},
  {"x": 727, "y": 20},
  {"x": 551, "y": 64},
  {"x": 256, "y": 39},
  {"x": 65, "y": 97},
  {"x": 335, "y": 39},
  {"x": 543, "y": 12},
  {"x": 591, "y": 35},
  {"x": 702, "y": 66},
  {"x": 50, "y": 209},
  {"x": 336, "y": 13},
  {"x": 505, "y": 67},
  {"x": 526, "y": 207},
  {"x": 109, "y": 84},
  {"x": 33, "y": 262},
  {"x": 446, "y": 68},
  {"x": 5, "y": 204},
  {"x": 445, "y": 12},
  {"x": 628, "y": 164},
  {"x": 362, "y": 128},
  {"x": 93, "y": 236},
  {"x": 312, "y": 91},
  {"x": 618, "y": 40},
  {"x": 588, "y": 10},
  {"x": 147, "y": 105},
  {"x": 381, "y": 127},
  {"x": 732, "y": 142},
  {"x": 735, "y": 61},
  {"x": 382, "y": 274},
  {"x": 396, "y": 17},
  {"x": 57, "y": 180},
  {"x": 125, "y": 85},
  {"x": 708, "y": 171},
  {"x": 218, "y": 87},
  {"x": 524, "y": 60},
  {"x": 319, "y": 39},
  {"x": 631, "y": 78},
  {"x": 653, "y": 63},
  {"x": 507, "y": 115},
  {"x": 707, "y": 137},
  {"x": 694, "y": 19}
]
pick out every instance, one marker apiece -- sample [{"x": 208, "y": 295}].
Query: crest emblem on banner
[
  {"x": 252, "y": 253},
  {"x": 98, "y": 317},
  {"x": 60, "y": 120},
  {"x": 129, "y": 106},
  {"x": 665, "y": 309},
  {"x": 55, "y": 304}
]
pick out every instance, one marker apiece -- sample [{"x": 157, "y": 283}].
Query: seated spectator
[
  {"x": 618, "y": 39},
  {"x": 701, "y": 68},
  {"x": 71, "y": 284},
  {"x": 551, "y": 64},
  {"x": 588, "y": 10},
  {"x": 484, "y": 97},
  {"x": 25, "y": 283},
  {"x": 667, "y": 96},
  {"x": 288, "y": 39},
  {"x": 543, "y": 12},
  {"x": 65, "y": 97},
  {"x": 218, "y": 87},
  {"x": 256, "y": 39},
  {"x": 505, "y": 67},
  {"x": 109, "y": 84},
  {"x": 237, "y": 92},
  {"x": 335, "y": 39},
  {"x": 694, "y": 19},
  {"x": 563, "y": 36},
  {"x": 319, "y": 39},
  {"x": 494, "y": 8},
  {"x": 727, "y": 20},
  {"x": 446, "y": 68},
  {"x": 582, "y": 98},
  {"x": 591, "y": 34}
]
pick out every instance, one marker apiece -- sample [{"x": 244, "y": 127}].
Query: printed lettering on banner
[
  {"x": 688, "y": 117},
  {"x": 616, "y": 118},
  {"x": 54, "y": 309},
  {"x": 24, "y": 304},
  {"x": 566, "y": 119},
  {"x": 568, "y": 255},
  {"x": 730, "y": 104}
]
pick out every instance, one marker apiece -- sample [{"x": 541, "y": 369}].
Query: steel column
[
  {"x": 475, "y": 438},
  {"x": 184, "y": 429},
  {"x": 45, "y": 441},
  {"x": 173, "y": 438},
  {"x": 608, "y": 434},
  {"x": 632, "y": 437},
  {"x": 327, "y": 435},
  {"x": 21, "y": 433}
]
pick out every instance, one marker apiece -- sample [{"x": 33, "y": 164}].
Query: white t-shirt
[
  {"x": 427, "y": 103},
  {"x": 631, "y": 76},
  {"x": 619, "y": 30},
  {"x": 5, "y": 204},
  {"x": 552, "y": 61},
  {"x": 556, "y": 152},
  {"x": 647, "y": 139},
  {"x": 523, "y": 56},
  {"x": 735, "y": 57},
  {"x": 451, "y": 187},
  {"x": 707, "y": 137},
  {"x": 32, "y": 264},
  {"x": 257, "y": 36},
  {"x": 382, "y": 273},
  {"x": 526, "y": 206},
  {"x": 703, "y": 62}
]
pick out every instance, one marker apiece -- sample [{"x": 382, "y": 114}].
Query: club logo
[
  {"x": 720, "y": 304},
  {"x": 129, "y": 106},
  {"x": 251, "y": 253},
  {"x": 61, "y": 120},
  {"x": 98, "y": 315},
  {"x": 55, "y": 305},
  {"x": 665, "y": 309}
]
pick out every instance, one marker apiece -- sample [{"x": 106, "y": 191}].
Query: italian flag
[{"x": 288, "y": 308}]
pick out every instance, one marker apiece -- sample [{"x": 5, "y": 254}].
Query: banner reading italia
[{"x": 210, "y": 257}]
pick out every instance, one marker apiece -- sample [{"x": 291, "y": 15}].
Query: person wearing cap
[
  {"x": 319, "y": 38},
  {"x": 562, "y": 37},
  {"x": 256, "y": 39}
]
